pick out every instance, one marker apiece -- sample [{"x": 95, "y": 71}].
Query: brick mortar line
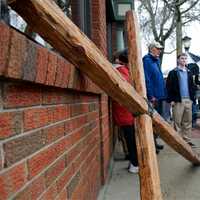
[
  {"x": 44, "y": 170},
  {"x": 43, "y": 106},
  {"x": 45, "y": 127},
  {"x": 68, "y": 167},
  {"x": 46, "y": 147}
]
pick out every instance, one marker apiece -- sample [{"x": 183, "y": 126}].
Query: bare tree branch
[
  {"x": 190, "y": 7},
  {"x": 162, "y": 17}
]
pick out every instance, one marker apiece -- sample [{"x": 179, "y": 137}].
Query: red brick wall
[
  {"x": 106, "y": 137},
  {"x": 99, "y": 24},
  {"x": 50, "y": 140},
  {"x": 114, "y": 37},
  {"x": 55, "y": 141},
  {"x": 99, "y": 36}
]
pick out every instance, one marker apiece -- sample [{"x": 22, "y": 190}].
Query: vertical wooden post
[{"x": 148, "y": 166}]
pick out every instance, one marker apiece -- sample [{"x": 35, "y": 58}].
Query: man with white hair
[{"x": 155, "y": 84}]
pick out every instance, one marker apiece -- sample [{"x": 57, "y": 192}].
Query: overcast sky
[
  {"x": 169, "y": 60},
  {"x": 192, "y": 31}
]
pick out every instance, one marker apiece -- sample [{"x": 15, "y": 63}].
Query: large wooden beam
[
  {"x": 49, "y": 21},
  {"x": 149, "y": 172},
  {"x": 11, "y": 1}
]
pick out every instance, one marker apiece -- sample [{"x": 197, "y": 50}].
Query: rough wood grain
[
  {"x": 49, "y": 21},
  {"x": 148, "y": 165},
  {"x": 11, "y": 2}
]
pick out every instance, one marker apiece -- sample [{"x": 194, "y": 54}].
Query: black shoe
[
  {"x": 127, "y": 157},
  {"x": 157, "y": 151},
  {"x": 191, "y": 144},
  {"x": 159, "y": 147}
]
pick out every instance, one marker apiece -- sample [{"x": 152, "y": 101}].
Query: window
[
  {"x": 85, "y": 16},
  {"x": 79, "y": 12},
  {"x": 123, "y": 8}
]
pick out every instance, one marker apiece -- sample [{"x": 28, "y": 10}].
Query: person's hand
[{"x": 172, "y": 103}]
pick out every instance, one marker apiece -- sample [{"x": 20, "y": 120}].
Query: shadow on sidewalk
[{"x": 180, "y": 180}]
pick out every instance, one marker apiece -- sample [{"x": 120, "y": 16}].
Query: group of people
[{"x": 178, "y": 90}]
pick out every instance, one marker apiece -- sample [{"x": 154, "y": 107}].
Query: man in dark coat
[{"x": 181, "y": 91}]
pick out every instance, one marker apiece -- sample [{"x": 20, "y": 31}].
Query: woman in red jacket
[{"x": 123, "y": 118}]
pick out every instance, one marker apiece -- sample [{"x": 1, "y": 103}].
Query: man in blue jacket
[{"x": 155, "y": 84}]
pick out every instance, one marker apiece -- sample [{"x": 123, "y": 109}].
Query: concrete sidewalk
[{"x": 179, "y": 179}]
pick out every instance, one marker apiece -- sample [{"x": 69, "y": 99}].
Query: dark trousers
[
  {"x": 194, "y": 114},
  {"x": 129, "y": 135},
  {"x": 159, "y": 108}
]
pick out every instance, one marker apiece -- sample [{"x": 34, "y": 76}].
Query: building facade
[{"x": 56, "y": 140}]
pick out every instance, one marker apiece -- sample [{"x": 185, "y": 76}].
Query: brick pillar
[
  {"x": 114, "y": 37},
  {"x": 98, "y": 33}
]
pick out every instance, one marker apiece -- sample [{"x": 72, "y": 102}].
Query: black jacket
[{"x": 173, "y": 89}]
